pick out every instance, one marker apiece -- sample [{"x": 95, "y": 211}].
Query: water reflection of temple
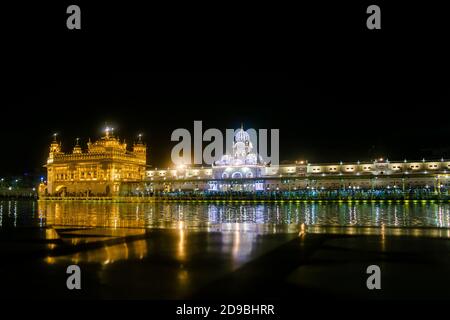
[{"x": 246, "y": 217}]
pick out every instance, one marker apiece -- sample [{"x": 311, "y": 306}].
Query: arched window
[{"x": 236, "y": 175}]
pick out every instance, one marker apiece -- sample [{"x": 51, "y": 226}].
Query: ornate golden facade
[{"x": 98, "y": 171}]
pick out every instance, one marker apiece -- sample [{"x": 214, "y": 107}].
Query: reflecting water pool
[
  {"x": 168, "y": 250},
  {"x": 271, "y": 217}
]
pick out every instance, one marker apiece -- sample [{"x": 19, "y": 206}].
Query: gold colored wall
[{"x": 99, "y": 171}]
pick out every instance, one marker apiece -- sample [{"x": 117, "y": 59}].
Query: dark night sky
[{"x": 335, "y": 90}]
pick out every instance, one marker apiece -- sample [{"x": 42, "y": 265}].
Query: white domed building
[{"x": 243, "y": 165}]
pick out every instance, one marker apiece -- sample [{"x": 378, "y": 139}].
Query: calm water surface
[{"x": 223, "y": 216}]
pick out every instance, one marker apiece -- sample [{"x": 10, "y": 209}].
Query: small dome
[{"x": 241, "y": 136}]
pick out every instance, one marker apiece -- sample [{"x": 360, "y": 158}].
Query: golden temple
[{"x": 97, "y": 171}]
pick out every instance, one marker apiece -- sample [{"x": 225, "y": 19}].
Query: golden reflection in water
[
  {"x": 183, "y": 276},
  {"x": 381, "y": 231},
  {"x": 51, "y": 234},
  {"x": 50, "y": 260},
  {"x": 181, "y": 254},
  {"x": 76, "y": 258},
  {"x": 74, "y": 241},
  {"x": 236, "y": 242},
  {"x": 57, "y": 212},
  {"x": 111, "y": 215},
  {"x": 135, "y": 250},
  {"x": 269, "y": 218},
  {"x": 302, "y": 230}
]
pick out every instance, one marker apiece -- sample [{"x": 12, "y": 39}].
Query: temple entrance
[
  {"x": 60, "y": 191},
  {"x": 236, "y": 175}
]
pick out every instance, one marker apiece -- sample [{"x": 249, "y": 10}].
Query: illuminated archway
[
  {"x": 236, "y": 175},
  {"x": 60, "y": 188}
]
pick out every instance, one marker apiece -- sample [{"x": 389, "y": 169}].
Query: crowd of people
[{"x": 423, "y": 193}]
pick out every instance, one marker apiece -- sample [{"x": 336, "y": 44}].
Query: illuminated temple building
[
  {"x": 98, "y": 171},
  {"x": 243, "y": 170},
  {"x": 109, "y": 168}
]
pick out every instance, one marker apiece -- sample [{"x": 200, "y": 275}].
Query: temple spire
[
  {"x": 77, "y": 148},
  {"x": 55, "y": 147}
]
